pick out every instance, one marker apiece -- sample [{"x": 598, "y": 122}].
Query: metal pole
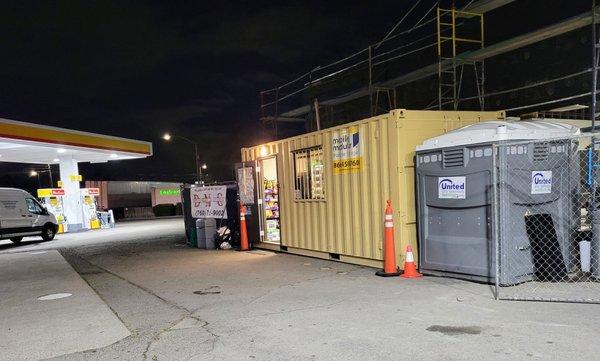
[
  {"x": 371, "y": 80},
  {"x": 50, "y": 175},
  {"x": 198, "y": 171},
  {"x": 317, "y": 116},
  {"x": 439, "y": 46},
  {"x": 592, "y": 202},
  {"x": 276, "y": 111},
  {"x": 594, "y": 65},
  {"x": 495, "y": 218}
]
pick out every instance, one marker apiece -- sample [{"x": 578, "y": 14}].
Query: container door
[
  {"x": 269, "y": 195},
  {"x": 246, "y": 178}
]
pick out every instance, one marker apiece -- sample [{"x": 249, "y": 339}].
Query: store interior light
[
  {"x": 167, "y": 136},
  {"x": 204, "y": 166},
  {"x": 61, "y": 150},
  {"x": 33, "y": 173}
]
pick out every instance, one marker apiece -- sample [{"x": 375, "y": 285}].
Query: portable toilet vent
[{"x": 455, "y": 197}]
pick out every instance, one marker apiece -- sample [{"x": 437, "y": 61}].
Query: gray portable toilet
[{"x": 455, "y": 194}]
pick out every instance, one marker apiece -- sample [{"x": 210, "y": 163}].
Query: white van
[{"x": 22, "y": 215}]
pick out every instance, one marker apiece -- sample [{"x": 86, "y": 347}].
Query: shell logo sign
[
  {"x": 90, "y": 191},
  {"x": 50, "y": 192},
  {"x": 347, "y": 150}
]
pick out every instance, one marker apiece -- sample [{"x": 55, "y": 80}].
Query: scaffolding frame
[
  {"x": 277, "y": 107},
  {"x": 450, "y": 79}
]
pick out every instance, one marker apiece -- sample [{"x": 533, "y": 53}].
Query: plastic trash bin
[
  {"x": 210, "y": 229},
  {"x": 192, "y": 238},
  {"x": 200, "y": 233}
]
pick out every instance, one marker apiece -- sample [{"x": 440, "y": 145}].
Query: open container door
[
  {"x": 268, "y": 183},
  {"x": 245, "y": 174}
]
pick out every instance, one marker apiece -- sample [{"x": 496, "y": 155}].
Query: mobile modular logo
[
  {"x": 452, "y": 187},
  {"x": 541, "y": 182},
  {"x": 346, "y": 150}
]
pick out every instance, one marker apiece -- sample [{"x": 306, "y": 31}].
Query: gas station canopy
[
  {"x": 39, "y": 144},
  {"x": 22, "y": 142}
]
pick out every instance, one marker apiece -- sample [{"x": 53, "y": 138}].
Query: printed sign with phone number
[{"x": 209, "y": 202}]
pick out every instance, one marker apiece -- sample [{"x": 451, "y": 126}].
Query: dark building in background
[{"x": 138, "y": 199}]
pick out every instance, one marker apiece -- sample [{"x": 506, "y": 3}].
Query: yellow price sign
[{"x": 75, "y": 178}]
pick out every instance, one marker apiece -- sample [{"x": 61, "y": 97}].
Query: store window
[{"x": 309, "y": 173}]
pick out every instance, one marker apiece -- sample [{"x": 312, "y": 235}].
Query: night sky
[{"x": 137, "y": 69}]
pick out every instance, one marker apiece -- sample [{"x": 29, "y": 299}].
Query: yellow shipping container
[{"x": 323, "y": 194}]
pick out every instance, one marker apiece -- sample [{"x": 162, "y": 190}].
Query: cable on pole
[
  {"x": 550, "y": 101},
  {"x": 528, "y": 86},
  {"x": 399, "y": 22}
]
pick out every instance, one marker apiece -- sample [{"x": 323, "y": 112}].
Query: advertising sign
[
  {"x": 246, "y": 184},
  {"x": 541, "y": 182},
  {"x": 208, "y": 202},
  {"x": 452, "y": 187},
  {"x": 169, "y": 192},
  {"x": 347, "y": 152},
  {"x": 50, "y": 192},
  {"x": 90, "y": 191}
]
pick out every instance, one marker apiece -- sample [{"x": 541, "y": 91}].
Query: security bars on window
[{"x": 308, "y": 174}]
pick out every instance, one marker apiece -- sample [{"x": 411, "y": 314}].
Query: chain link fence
[{"x": 545, "y": 220}]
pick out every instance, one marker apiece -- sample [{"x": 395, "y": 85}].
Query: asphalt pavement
[{"x": 179, "y": 303}]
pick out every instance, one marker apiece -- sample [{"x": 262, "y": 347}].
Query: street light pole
[
  {"x": 198, "y": 170},
  {"x": 50, "y": 176},
  {"x": 168, "y": 137},
  {"x": 35, "y": 173}
]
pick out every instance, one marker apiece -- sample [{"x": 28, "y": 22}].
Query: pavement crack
[
  {"x": 156, "y": 336},
  {"x": 291, "y": 284},
  {"x": 147, "y": 290},
  {"x": 66, "y": 256}
]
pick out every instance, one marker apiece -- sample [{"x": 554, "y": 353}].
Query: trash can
[
  {"x": 192, "y": 240},
  {"x": 455, "y": 199},
  {"x": 210, "y": 229},
  {"x": 200, "y": 233}
]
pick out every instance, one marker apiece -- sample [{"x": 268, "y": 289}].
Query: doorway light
[{"x": 264, "y": 151}]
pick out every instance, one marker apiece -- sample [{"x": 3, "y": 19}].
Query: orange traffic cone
[
  {"x": 244, "y": 246},
  {"x": 410, "y": 271},
  {"x": 389, "y": 253}
]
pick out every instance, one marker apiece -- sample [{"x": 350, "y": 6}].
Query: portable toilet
[{"x": 455, "y": 198}]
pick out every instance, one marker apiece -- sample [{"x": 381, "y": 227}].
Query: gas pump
[
  {"x": 52, "y": 198},
  {"x": 88, "y": 205}
]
